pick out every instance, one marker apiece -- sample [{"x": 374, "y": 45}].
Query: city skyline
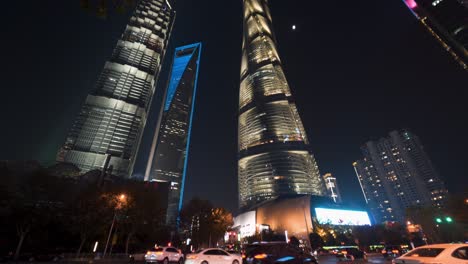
[{"x": 391, "y": 54}]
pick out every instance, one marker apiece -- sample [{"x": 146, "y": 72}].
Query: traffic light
[{"x": 445, "y": 219}]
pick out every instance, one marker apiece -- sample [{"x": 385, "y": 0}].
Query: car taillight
[
  {"x": 384, "y": 251},
  {"x": 395, "y": 251},
  {"x": 260, "y": 256},
  {"x": 191, "y": 256},
  {"x": 149, "y": 252}
]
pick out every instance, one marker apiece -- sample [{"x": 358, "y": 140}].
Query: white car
[
  {"x": 213, "y": 256},
  {"x": 164, "y": 255},
  {"x": 436, "y": 254}
]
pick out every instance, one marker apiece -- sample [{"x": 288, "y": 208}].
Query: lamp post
[{"x": 121, "y": 198}]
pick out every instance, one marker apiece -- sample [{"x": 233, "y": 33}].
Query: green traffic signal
[
  {"x": 448, "y": 219},
  {"x": 438, "y": 220}
]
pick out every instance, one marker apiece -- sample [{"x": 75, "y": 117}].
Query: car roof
[{"x": 447, "y": 245}]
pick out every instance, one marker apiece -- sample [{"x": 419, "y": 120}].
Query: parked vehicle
[
  {"x": 436, "y": 253},
  {"x": 213, "y": 256},
  {"x": 276, "y": 252},
  {"x": 393, "y": 251},
  {"x": 164, "y": 255}
]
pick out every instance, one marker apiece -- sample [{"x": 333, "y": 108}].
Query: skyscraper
[
  {"x": 397, "y": 173},
  {"x": 446, "y": 20},
  {"x": 169, "y": 152},
  {"x": 332, "y": 187},
  {"x": 108, "y": 129},
  {"x": 274, "y": 154}
]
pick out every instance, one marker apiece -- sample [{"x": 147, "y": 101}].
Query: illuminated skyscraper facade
[
  {"x": 446, "y": 20},
  {"x": 108, "y": 129},
  {"x": 169, "y": 153},
  {"x": 396, "y": 173},
  {"x": 274, "y": 154}
]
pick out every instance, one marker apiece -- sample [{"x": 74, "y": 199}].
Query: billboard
[
  {"x": 246, "y": 223},
  {"x": 342, "y": 217}
]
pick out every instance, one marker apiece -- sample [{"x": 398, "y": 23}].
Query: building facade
[
  {"x": 396, "y": 173},
  {"x": 107, "y": 131},
  {"x": 274, "y": 152},
  {"x": 446, "y": 22},
  {"x": 298, "y": 216},
  {"x": 332, "y": 187},
  {"x": 169, "y": 153}
]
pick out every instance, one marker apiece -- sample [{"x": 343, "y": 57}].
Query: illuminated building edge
[{"x": 170, "y": 149}]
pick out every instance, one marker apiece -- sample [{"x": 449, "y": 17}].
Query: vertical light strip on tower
[
  {"x": 172, "y": 143},
  {"x": 274, "y": 155},
  {"x": 107, "y": 132}
]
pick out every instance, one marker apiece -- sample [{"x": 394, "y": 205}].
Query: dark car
[
  {"x": 350, "y": 253},
  {"x": 275, "y": 252},
  {"x": 393, "y": 251}
]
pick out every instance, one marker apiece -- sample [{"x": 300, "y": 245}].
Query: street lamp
[{"x": 121, "y": 199}]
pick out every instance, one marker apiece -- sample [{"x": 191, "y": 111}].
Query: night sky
[{"x": 358, "y": 69}]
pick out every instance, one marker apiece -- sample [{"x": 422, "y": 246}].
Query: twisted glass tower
[
  {"x": 108, "y": 129},
  {"x": 274, "y": 154}
]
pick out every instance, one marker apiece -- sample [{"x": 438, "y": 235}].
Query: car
[
  {"x": 164, "y": 255},
  {"x": 212, "y": 256},
  {"x": 276, "y": 252},
  {"x": 350, "y": 253},
  {"x": 393, "y": 251},
  {"x": 232, "y": 251},
  {"x": 436, "y": 253}
]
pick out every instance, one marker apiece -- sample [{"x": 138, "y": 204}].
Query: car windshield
[{"x": 425, "y": 252}]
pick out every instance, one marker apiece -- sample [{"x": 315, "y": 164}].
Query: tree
[
  {"x": 204, "y": 222},
  {"x": 219, "y": 221},
  {"x": 144, "y": 213},
  {"x": 88, "y": 214}
]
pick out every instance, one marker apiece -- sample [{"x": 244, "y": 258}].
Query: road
[{"x": 373, "y": 258}]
